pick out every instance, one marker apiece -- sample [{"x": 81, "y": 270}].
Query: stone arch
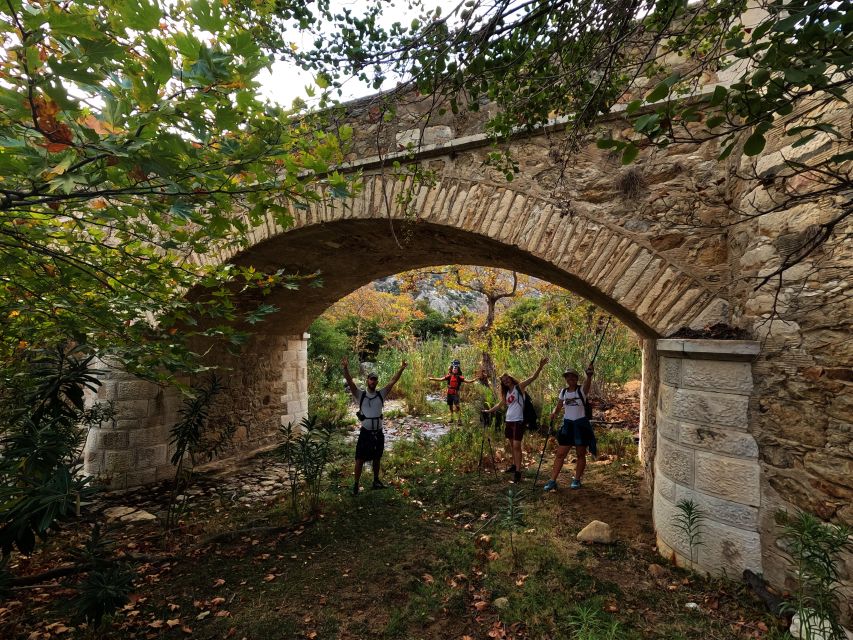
[
  {"x": 487, "y": 223},
  {"x": 472, "y": 220}
]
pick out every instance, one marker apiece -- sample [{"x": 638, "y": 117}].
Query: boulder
[
  {"x": 139, "y": 516},
  {"x": 596, "y": 532},
  {"x": 114, "y": 513}
]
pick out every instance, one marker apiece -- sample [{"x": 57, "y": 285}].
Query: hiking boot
[
  {"x": 510, "y": 470},
  {"x": 551, "y": 485},
  {"x": 355, "y": 489},
  {"x": 576, "y": 484},
  {"x": 378, "y": 484},
  {"x": 517, "y": 477}
]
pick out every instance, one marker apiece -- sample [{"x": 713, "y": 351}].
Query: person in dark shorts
[
  {"x": 576, "y": 430},
  {"x": 455, "y": 380},
  {"x": 512, "y": 397},
  {"x": 371, "y": 438}
]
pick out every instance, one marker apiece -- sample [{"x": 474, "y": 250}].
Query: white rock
[
  {"x": 113, "y": 513},
  {"x": 139, "y": 516},
  {"x": 818, "y": 629},
  {"x": 596, "y": 532},
  {"x": 692, "y": 606}
]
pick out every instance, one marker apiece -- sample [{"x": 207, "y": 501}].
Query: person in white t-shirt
[
  {"x": 512, "y": 397},
  {"x": 371, "y": 437},
  {"x": 576, "y": 429}
]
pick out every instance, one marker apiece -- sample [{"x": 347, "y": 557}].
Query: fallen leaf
[
  {"x": 217, "y": 601},
  {"x": 218, "y": 582},
  {"x": 428, "y": 579},
  {"x": 223, "y": 614},
  {"x": 156, "y": 624},
  {"x": 202, "y": 615},
  {"x": 482, "y": 604},
  {"x": 173, "y": 623},
  {"x": 269, "y": 577},
  {"x": 187, "y": 630}
]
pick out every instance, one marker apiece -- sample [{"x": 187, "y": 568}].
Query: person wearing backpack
[
  {"x": 455, "y": 380},
  {"x": 371, "y": 438},
  {"x": 513, "y": 398},
  {"x": 576, "y": 430}
]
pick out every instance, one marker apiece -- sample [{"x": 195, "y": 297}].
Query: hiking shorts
[
  {"x": 576, "y": 433},
  {"x": 514, "y": 431},
  {"x": 452, "y": 400},
  {"x": 370, "y": 445}
]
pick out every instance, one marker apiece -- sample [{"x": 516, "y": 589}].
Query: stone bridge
[{"x": 743, "y": 427}]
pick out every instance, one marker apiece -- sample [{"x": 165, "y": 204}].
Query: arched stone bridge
[{"x": 742, "y": 427}]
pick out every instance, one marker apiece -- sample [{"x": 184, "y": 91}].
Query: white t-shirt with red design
[{"x": 515, "y": 405}]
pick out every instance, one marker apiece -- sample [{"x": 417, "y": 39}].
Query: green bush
[{"x": 44, "y": 427}]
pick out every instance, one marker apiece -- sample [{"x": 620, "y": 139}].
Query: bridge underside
[{"x": 351, "y": 253}]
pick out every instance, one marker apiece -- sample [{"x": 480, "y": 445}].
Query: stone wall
[
  {"x": 134, "y": 450},
  {"x": 801, "y": 413},
  {"x": 265, "y": 386},
  {"x": 706, "y": 453}
]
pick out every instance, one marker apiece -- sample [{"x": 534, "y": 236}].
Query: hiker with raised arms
[
  {"x": 455, "y": 380},
  {"x": 371, "y": 438},
  {"x": 512, "y": 397},
  {"x": 576, "y": 429}
]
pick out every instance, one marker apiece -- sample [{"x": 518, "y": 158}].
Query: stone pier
[
  {"x": 706, "y": 453},
  {"x": 265, "y": 386}
]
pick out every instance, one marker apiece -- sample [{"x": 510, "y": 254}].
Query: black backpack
[{"x": 531, "y": 420}]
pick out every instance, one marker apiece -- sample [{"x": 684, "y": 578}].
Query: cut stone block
[{"x": 729, "y": 478}]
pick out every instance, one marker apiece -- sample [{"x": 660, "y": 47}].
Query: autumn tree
[{"x": 370, "y": 317}]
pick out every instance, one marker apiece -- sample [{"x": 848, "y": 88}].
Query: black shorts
[
  {"x": 370, "y": 445},
  {"x": 514, "y": 430},
  {"x": 577, "y": 433},
  {"x": 452, "y": 399}
]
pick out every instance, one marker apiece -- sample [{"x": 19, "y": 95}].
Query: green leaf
[
  {"x": 718, "y": 96},
  {"x": 754, "y": 144},
  {"x": 760, "y": 77},
  {"x": 841, "y": 157},
  {"x": 658, "y": 93},
  {"x": 633, "y": 106},
  {"x": 161, "y": 61},
  {"x": 139, "y": 14},
  {"x": 630, "y": 153},
  {"x": 715, "y": 121},
  {"x": 606, "y": 143}
]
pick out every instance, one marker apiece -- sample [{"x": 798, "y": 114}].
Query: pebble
[
  {"x": 692, "y": 606},
  {"x": 501, "y": 603}
]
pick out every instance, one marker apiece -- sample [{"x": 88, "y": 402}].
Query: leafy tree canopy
[
  {"x": 762, "y": 65},
  {"x": 133, "y": 139}
]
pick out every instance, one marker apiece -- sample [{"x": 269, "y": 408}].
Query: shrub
[{"x": 44, "y": 428}]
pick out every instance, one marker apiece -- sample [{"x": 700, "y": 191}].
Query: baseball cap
[
  {"x": 372, "y": 374},
  {"x": 570, "y": 371}
]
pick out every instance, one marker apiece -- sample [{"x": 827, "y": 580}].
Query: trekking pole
[
  {"x": 482, "y": 445},
  {"x": 492, "y": 454},
  {"x": 542, "y": 457},
  {"x": 600, "y": 340}
]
